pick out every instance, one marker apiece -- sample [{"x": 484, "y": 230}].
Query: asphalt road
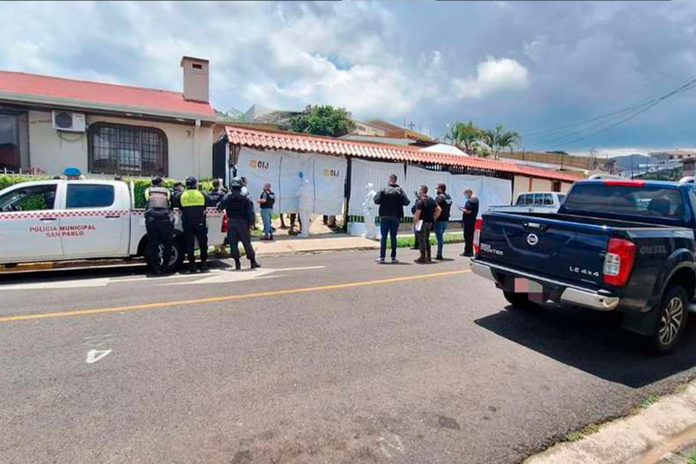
[{"x": 325, "y": 358}]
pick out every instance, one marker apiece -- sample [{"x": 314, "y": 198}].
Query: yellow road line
[{"x": 219, "y": 299}]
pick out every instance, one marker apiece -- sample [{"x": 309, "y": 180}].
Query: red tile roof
[
  {"x": 32, "y": 88},
  {"x": 254, "y": 138}
]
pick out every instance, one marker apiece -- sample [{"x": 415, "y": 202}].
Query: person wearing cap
[
  {"x": 193, "y": 220},
  {"x": 240, "y": 215},
  {"x": 159, "y": 226}
]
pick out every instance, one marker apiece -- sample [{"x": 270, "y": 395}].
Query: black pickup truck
[{"x": 614, "y": 245}]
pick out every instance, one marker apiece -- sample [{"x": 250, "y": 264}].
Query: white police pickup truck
[
  {"x": 69, "y": 220},
  {"x": 533, "y": 202}
]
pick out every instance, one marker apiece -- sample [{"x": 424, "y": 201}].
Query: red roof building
[
  {"x": 18, "y": 87},
  {"x": 52, "y": 123}
]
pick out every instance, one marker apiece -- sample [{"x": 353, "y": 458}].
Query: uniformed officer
[
  {"x": 240, "y": 213},
  {"x": 193, "y": 220},
  {"x": 216, "y": 195},
  {"x": 158, "y": 223}
]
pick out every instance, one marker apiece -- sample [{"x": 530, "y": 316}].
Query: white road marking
[
  {"x": 61, "y": 284},
  {"x": 241, "y": 276},
  {"x": 95, "y": 355},
  {"x": 214, "y": 277}
]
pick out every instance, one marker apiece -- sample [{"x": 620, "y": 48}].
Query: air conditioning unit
[{"x": 68, "y": 121}]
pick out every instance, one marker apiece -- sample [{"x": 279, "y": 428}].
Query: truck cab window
[
  {"x": 89, "y": 196},
  {"x": 37, "y": 198}
]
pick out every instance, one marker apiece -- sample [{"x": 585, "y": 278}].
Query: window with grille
[{"x": 121, "y": 149}]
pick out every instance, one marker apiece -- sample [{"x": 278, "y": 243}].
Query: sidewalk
[
  {"x": 662, "y": 432},
  {"x": 334, "y": 242}
]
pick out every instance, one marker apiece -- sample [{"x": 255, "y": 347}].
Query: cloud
[
  {"x": 555, "y": 63},
  {"x": 492, "y": 76}
]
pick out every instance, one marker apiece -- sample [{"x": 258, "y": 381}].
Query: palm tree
[
  {"x": 463, "y": 135},
  {"x": 500, "y": 139}
]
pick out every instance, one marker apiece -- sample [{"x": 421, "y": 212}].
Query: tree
[
  {"x": 322, "y": 120},
  {"x": 464, "y": 135},
  {"x": 500, "y": 139}
]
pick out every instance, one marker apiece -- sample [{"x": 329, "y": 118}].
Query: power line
[
  {"x": 629, "y": 108},
  {"x": 614, "y": 118}
]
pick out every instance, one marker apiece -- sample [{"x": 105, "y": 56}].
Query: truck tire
[
  {"x": 176, "y": 260},
  {"x": 518, "y": 300},
  {"x": 670, "y": 320}
]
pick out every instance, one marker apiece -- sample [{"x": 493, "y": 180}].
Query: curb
[{"x": 668, "y": 425}]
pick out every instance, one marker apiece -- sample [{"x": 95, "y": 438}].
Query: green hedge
[{"x": 8, "y": 181}]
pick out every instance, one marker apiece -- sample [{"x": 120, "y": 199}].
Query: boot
[
  {"x": 422, "y": 259},
  {"x": 428, "y": 258},
  {"x": 439, "y": 257},
  {"x": 254, "y": 264},
  {"x": 237, "y": 264}
]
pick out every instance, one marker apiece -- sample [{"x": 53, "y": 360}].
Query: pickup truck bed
[{"x": 594, "y": 256}]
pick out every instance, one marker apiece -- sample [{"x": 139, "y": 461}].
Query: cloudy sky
[{"x": 532, "y": 66}]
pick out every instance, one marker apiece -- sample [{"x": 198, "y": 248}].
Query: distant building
[
  {"x": 378, "y": 131},
  {"x": 365, "y": 129},
  {"x": 689, "y": 166},
  {"x": 671, "y": 155}
]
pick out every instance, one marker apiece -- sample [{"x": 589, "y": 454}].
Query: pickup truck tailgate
[{"x": 565, "y": 251}]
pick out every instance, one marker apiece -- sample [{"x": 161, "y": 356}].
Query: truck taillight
[
  {"x": 477, "y": 235},
  {"x": 618, "y": 262}
]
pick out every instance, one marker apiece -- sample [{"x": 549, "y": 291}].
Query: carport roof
[{"x": 274, "y": 140}]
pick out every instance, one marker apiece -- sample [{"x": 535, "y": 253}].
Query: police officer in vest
[
  {"x": 241, "y": 216},
  {"x": 158, "y": 223},
  {"x": 193, "y": 204}
]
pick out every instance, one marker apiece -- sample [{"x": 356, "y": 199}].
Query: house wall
[{"x": 189, "y": 148}]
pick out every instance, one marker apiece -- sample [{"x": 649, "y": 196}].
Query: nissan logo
[{"x": 532, "y": 239}]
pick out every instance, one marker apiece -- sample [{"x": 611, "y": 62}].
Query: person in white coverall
[
  {"x": 304, "y": 196},
  {"x": 369, "y": 211}
]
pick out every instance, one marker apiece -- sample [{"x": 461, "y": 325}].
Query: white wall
[{"x": 189, "y": 148}]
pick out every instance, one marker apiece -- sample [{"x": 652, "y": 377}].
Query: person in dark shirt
[
  {"x": 427, "y": 212},
  {"x": 177, "y": 190},
  {"x": 266, "y": 203},
  {"x": 391, "y": 200},
  {"x": 444, "y": 201},
  {"x": 469, "y": 210},
  {"x": 216, "y": 195},
  {"x": 240, "y": 214}
]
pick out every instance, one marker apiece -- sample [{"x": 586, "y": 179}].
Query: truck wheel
[
  {"x": 671, "y": 319},
  {"x": 519, "y": 300},
  {"x": 176, "y": 260}
]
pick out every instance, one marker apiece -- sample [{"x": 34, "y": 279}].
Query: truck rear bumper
[{"x": 567, "y": 295}]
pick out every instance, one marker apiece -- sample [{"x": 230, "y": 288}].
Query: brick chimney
[{"x": 195, "y": 79}]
